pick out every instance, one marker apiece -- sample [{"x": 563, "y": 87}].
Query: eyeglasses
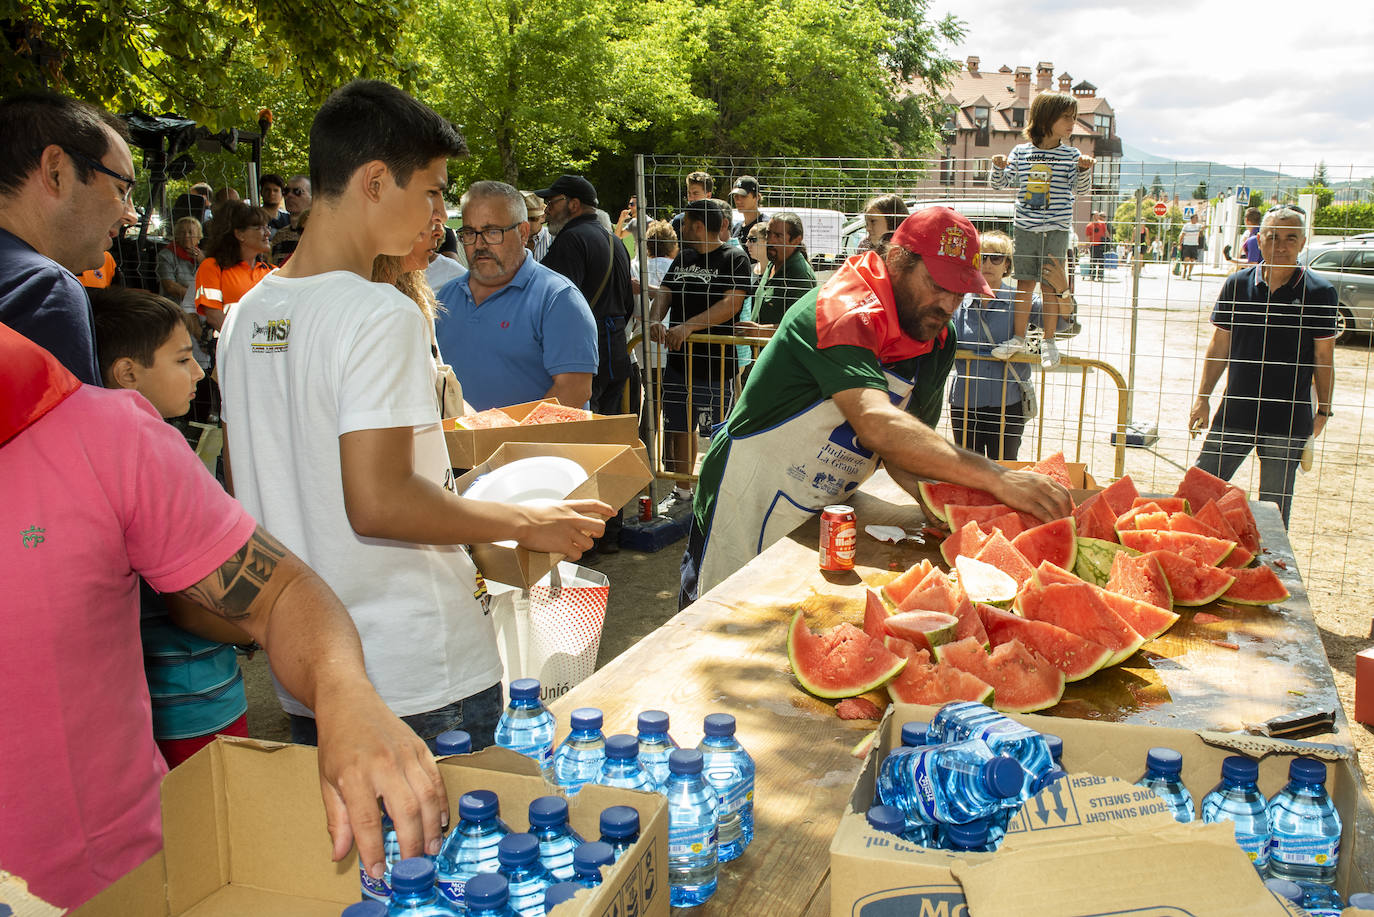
[
  {"x": 100, "y": 167},
  {"x": 469, "y": 236},
  {"x": 553, "y": 200},
  {"x": 1293, "y": 207},
  {"x": 297, "y": 192},
  {"x": 994, "y": 257}
]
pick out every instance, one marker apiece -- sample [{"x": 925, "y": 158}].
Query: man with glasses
[
  {"x": 297, "y": 202},
  {"x": 66, "y": 188},
  {"x": 513, "y": 330},
  {"x": 1274, "y": 336},
  {"x": 272, "y": 188}
]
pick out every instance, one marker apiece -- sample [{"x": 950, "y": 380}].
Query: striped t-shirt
[{"x": 1046, "y": 182}]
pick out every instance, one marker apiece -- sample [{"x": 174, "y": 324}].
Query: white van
[
  {"x": 983, "y": 214},
  {"x": 821, "y": 232}
]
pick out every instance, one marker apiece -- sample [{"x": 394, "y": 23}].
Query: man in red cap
[{"x": 854, "y": 374}]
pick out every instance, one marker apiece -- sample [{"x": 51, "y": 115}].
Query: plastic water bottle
[
  {"x": 526, "y": 726},
  {"x": 730, "y": 770},
  {"x": 1304, "y": 827},
  {"x": 368, "y": 908},
  {"x": 1237, "y": 798},
  {"x": 1056, "y": 747},
  {"x": 1285, "y": 890},
  {"x": 621, "y": 767},
  {"x": 693, "y": 818},
  {"x": 578, "y": 760},
  {"x": 887, "y": 819},
  {"x": 559, "y": 892},
  {"x": 380, "y": 889},
  {"x": 655, "y": 744},
  {"x": 1162, "y": 767},
  {"x": 557, "y": 839},
  {"x": 954, "y": 782},
  {"x": 1362, "y": 901},
  {"x": 914, "y": 734},
  {"x": 1003, "y": 735},
  {"x": 453, "y": 742},
  {"x": 471, "y": 846},
  {"x": 413, "y": 893},
  {"x": 519, "y": 856},
  {"x": 488, "y": 895},
  {"x": 619, "y": 828},
  {"x": 588, "y": 860},
  {"x": 968, "y": 838}
]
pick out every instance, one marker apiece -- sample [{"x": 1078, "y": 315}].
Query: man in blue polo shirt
[
  {"x": 514, "y": 330},
  {"x": 1274, "y": 336}
]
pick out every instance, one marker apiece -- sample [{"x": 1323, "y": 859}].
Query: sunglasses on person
[
  {"x": 1280, "y": 207},
  {"x": 994, "y": 257}
]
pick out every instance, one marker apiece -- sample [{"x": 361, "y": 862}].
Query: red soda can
[
  {"x": 646, "y": 509},
  {"x": 839, "y": 534}
]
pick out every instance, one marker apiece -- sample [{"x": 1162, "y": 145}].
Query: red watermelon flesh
[
  {"x": 858, "y": 708},
  {"x": 1192, "y": 583},
  {"x": 1182, "y": 522},
  {"x": 1256, "y": 586},
  {"x": 1095, "y": 519},
  {"x": 1120, "y": 494},
  {"x": 875, "y": 614},
  {"x": 1001, "y": 554},
  {"x": 937, "y": 495},
  {"x": 1199, "y": 487},
  {"x": 1141, "y": 577},
  {"x": 1027, "y": 681},
  {"x": 1153, "y": 519},
  {"x": 1009, "y": 524},
  {"x": 965, "y": 540},
  {"x": 1055, "y": 542},
  {"x": 957, "y": 514},
  {"x": 1073, "y": 655},
  {"x": 970, "y": 624},
  {"x": 1077, "y": 609},
  {"x": 549, "y": 412},
  {"x": 902, "y": 586},
  {"x": 1126, "y": 521},
  {"x": 1054, "y": 467},
  {"x": 899, "y": 647},
  {"x": 1144, "y": 618},
  {"x": 1213, "y": 518},
  {"x": 1168, "y": 504},
  {"x": 927, "y": 682},
  {"x": 922, "y": 629},
  {"x": 845, "y": 662},
  {"x": 1236, "y": 509},
  {"x": 489, "y": 419},
  {"x": 1200, "y": 548},
  {"x": 938, "y": 595}
]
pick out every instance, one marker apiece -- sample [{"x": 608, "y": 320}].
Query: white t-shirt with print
[{"x": 302, "y": 362}]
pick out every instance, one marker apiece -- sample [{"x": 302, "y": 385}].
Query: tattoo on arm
[{"x": 236, "y": 584}]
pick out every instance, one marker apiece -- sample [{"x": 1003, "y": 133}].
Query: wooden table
[{"x": 727, "y": 652}]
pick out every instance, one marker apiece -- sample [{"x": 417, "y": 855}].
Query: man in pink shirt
[{"x": 95, "y": 491}]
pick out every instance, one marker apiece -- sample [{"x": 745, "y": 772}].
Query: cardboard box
[
  {"x": 617, "y": 473},
  {"x": 245, "y": 835},
  {"x": 1078, "y": 474},
  {"x": 1364, "y": 687},
  {"x": 469, "y": 448},
  {"x": 1093, "y": 844}
]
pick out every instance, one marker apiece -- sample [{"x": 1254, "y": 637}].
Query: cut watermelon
[
  {"x": 865, "y": 745},
  {"x": 1200, "y": 548},
  {"x": 926, "y": 682},
  {"x": 999, "y": 552},
  {"x": 1256, "y": 586},
  {"x": 899, "y": 647},
  {"x": 1145, "y": 619},
  {"x": 1212, "y": 518},
  {"x": 1009, "y": 524},
  {"x": 843, "y": 663},
  {"x": 1182, "y": 522},
  {"x": 924, "y": 630},
  {"x": 982, "y": 582},
  {"x": 1022, "y": 681},
  {"x": 937, "y": 595},
  {"x": 1055, "y": 542},
  {"x": 549, "y": 412},
  {"x": 957, "y": 514},
  {"x": 1199, "y": 487},
  {"x": 1157, "y": 520},
  {"x": 489, "y": 419},
  {"x": 1073, "y": 655},
  {"x": 1120, "y": 494},
  {"x": 1094, "y": 561},
  {"x": 935, "y": 496},
  {"x": 1168, "y": 504},
  {"x": 970, "y": 625},
  {"x": 1077, "y": 609},
  {"x": 1141, "y": 577},
  {"x": 901, "y": 587},
  {"x": 875, "y": 613},
  {"x": 858, "y": 708},
  {"x": 967, "y": 539},
  {"x": 1192, "y": 583},
  {"x": 1236, "y": 509},
  {"x": 1054, "y": 467},
  {"x": 1095, "y": 519},
  {"x": 1126, "y": 521}
]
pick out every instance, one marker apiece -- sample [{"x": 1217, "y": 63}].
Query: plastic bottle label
[
  {"x": 1256, "y": 847},
  {"x": 736, "y": 797},
  {"x": 376, "y": 889},
  {"x": 690, "y": 839},
  {"x": 454, "y": 890},
  {"x": 1305, "y": 851},
  {"x": 924, "y": 795}
]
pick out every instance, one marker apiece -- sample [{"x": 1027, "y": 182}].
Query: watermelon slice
[
  {"x": 1055, "y": 542},
  {"x": 1192, "y": 583},
  {"x": 983, "y": 582},
  {"x": 924, "y": 630},
  {"x": 1200, "y": 548},
  {"x": 1120, "y": 494},
  {"x": 901, "y": 587},
  {"x": 875, "y": 615},
  {"x": 899, "y": 647},
  {"x": 1168, "y": 504},
  {"x": 937, "y": 594},
  {"x": 865, "y": 745},
  {"x": 1126, "y": 521},
  {"x": 1212, "y": 518},
  {"x": 1078, "y": 610},
  {"x": 926, "y": 682},
  {"x": 1141, "y": 577},
  {"x": 935, "y": 496},
  {"x": 1256, "y": 586},
  {"x": 489, "y": 419},
  {"x": 1009, "y": 524},
  {"x": 957, "y": 514},
  {"x": 550, "y": 412},
  {"x": 1145, "y": 619},
  {"x": 970, "y": 625},
  {"x": 1054, "y": 467},
  {"x": 1001, "y": 554},
  {"x": 1094, "y": 561},
  {"x": 858, "y": 708},
  {"x": 1073, "y": 655},
  {"x": 1236, "y": 509},
  {"x": 1095, "y": 519},
  {"x": 966, "y": 540},
  {"x": 1021, "y": 680},
  {"x": 1152, "y": 519},
  {"x": 1199, "y": 487},
  {"x": 842, "y": 663}
]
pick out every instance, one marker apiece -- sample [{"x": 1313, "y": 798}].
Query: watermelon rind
[
  {"x": 1256, "y": 586},
  {"x": 864, "y": 745},
  {"x": 936, "y": 495},
  {"x": 1077, "y": 657},
  {"x": 1192, "y": 583},
  {"x": 1093, "y": 563},
  {"x": 982, "y": 582},
  {"x": 1055, "y": 541},
  {"x": 1077, "y": 609},
  {"x": 823, "y": 673}
]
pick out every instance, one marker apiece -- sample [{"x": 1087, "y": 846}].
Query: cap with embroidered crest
[{"x": 948, "y": 246}]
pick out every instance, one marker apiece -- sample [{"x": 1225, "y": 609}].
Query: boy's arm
[
  {"x": 1083, "y": 180},
  {"x": 999, "y": 173}
]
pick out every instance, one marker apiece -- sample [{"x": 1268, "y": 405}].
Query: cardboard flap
[
  {"x": 1257, "y": 746},
  {"x": 498, "y": 759},
  {"x": 1085, "y": 806},
  {"x": 468, "y": 448}
]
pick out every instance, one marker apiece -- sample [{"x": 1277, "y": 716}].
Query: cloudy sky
[{"x": 1201, "y": 79}]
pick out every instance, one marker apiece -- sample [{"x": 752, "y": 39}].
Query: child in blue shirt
[{"x": 1047, "y": 174}]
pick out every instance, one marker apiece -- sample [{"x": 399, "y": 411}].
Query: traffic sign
[
  {"x": 1189, "y": 211},
  {"x": 1243, "y": 194},
  {"x": 1161, "y": 208}
]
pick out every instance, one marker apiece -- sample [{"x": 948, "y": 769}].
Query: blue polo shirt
[
  {"x": 987, "y": 383},
  {"x": 508, "y": 349},
  {"x": 45, "y": 303}
]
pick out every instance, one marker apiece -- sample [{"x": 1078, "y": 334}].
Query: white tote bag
[{"x": 553, "y": 631}]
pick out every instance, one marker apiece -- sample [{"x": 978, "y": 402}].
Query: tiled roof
[{"x": 997, "y": 90}]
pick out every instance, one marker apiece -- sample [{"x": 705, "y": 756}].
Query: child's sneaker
[
  {"x": 1010, "y": 348},
  {"x": 1049, "y": 354}
]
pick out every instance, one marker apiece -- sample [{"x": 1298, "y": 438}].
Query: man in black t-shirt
[{"x": 1274, "y": 336}]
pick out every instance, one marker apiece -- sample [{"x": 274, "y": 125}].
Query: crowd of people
[{"x": 343, "y": 319}]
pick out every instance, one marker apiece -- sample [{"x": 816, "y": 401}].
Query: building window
[
  {"x": 1018, "y": 117},
  {"x": 1103, "y": 123},
  {"x": 982, "y": 117},
  {"x": 978, "y": 171}
]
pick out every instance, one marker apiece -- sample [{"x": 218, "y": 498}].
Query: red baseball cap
[{"x": 948, "y": 245}]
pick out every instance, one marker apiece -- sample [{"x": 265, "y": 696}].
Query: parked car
[
  {"x": 1350, "y": 268},
  {"x": 821, "y": 232}
]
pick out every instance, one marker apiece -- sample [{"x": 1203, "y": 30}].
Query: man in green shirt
[
  {"x": 854, "y": 375},
  {"x": 787, "y": 276}
]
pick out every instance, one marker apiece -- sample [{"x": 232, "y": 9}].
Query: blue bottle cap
[
  {"x": 524, "y": 689},
  {"x": 1056, "y": 745},
  {"x": 1050, "y": 776},
  {"x": 619, "y": 821},
  {"x": 486, "y": 890},
  {"x": 973, "y": 834},
  {"x": 622, "y": 747},
  {"x": 886, "y": 818},
  {"x": 1361, "y": 900},
  {"x": 718, "y": 724},
  {"x": 415, "y": 874},
  {"x": 1164, "y": 760},
  {"x": 559, "y": 892},
  {"x": 914, "y": 734},
  {"x": 368, "y": 908},
  {"x": 1286, "y": 889},
  {"x": 684, "y": 761},
  {"x": 1003, "y": 777},
  {"x": 517, "y": 850},
  {"x": 1240, "y": 768},
  {"x": 591, "y": 856},
  {"x": 652, "y": 721},
  {"x": 548, "y": 811},
  {"x": 1307, "y": 770},
  {"x": 453, "y": 742},
  {"x": 478, "y": 805},
  {"x": 586, "y": 718}
]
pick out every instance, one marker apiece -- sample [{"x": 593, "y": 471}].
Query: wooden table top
[{"x": 727, "y": 652}]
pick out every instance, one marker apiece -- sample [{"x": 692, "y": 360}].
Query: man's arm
[
  {"x": 722, "y": 310},
  {"x": 573, "y": 389},
  {"x": 911, "y": 451},
  {"x": 1323, "y": 379},
  {"x": 1213, "y": 365},
  {"x": 214, "y": 318},
  {"x": 365, "y": 752}
]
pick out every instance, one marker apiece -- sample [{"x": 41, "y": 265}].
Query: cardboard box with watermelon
[
  {"x": 474, "y": 437},
  {"x": 1091, "y": 844}
]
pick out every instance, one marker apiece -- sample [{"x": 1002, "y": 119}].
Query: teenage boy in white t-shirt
[{"x": 333, "y": 426}]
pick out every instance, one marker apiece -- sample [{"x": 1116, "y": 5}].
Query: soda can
[
  {"x": 839, "y": 535},
  {"x": 646, "y": 509}
]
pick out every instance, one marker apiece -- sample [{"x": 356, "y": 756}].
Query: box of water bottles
[{"x": 963, "y": 810}]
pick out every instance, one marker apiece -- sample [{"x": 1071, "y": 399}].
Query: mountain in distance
[{"x": 1139, "y": 167}]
